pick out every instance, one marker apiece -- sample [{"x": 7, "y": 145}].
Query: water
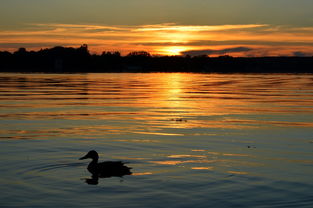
[{"x": 193, "y": 140}]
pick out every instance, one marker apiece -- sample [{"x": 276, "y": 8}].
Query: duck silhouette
[{"x": 104, "y": 169}]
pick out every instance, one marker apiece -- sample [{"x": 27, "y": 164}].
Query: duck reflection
[{"x": 104, "y": 169}]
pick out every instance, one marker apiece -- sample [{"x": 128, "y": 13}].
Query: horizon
[
  {"x": 148, "y": 54},
  {"x": 239, "y": 29}
]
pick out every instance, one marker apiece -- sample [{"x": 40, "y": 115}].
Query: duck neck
[{"x": 94, "y": 160}]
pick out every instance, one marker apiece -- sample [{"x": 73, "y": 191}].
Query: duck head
[{"x": 91, "y": 154}]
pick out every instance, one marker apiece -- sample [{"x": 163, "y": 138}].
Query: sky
[{"x": 162, "y": 27}]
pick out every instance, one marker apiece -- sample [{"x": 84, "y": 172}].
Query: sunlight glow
[{"x": 173, "y": 50}]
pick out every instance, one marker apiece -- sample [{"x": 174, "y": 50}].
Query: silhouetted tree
[
  {"x": 21, "y": 51},
  {"x": 139, "y": 53},
  {"x": 68, "y": 59}
]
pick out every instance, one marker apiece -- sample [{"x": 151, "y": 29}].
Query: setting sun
[{"x": 173, "y": 50}]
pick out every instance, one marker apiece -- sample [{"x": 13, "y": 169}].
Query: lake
[{"x": 192, "y": 140}]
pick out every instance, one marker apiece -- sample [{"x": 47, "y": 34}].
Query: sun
[{"x": 173, "y": 50}]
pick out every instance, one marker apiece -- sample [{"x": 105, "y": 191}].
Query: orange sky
[
  {"x": 163, "y": 27},
  {"x": 167, "y": 38}
]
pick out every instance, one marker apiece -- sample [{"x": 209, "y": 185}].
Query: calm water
[{"x": 193, "y": 140}]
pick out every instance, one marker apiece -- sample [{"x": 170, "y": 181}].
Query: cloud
[
  {"x": 82, "y": 27},
  {"x": 195, "y": 28},
  {"x": 229, "y": 42},
  {"x": 302, "y": 54},
  {"x": 29, "y": 45},
  {"x": 216, "y": 52}
]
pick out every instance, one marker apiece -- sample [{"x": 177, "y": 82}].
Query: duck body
[
  {"x": 108, "y": 169},
  {"x": 105, "y": 169}
]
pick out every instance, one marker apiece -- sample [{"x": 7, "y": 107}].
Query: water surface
[{"x": 193, "y": 140}]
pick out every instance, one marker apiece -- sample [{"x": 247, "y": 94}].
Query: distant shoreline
[
  {"x": 156, "y": 72},
  {"x": 79, "y": 60}
]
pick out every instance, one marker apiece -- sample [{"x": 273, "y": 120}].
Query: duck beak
[{"x": 82, "y": 158}]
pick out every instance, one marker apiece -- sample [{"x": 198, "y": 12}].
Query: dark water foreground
[{"x": 193, "y": 140}]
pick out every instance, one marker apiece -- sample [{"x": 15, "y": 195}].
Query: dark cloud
[
  {"x": 216, "y": 52},
  {"x": 302, "y": 54}
]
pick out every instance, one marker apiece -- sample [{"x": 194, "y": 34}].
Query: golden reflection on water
[
  {"x": 141, "y": 174},
  {"x": 155, "y": 104},
  {"x": 209, "y": 161},
  {"x": 238, "y": 172}
]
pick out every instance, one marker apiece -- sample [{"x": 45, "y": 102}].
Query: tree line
[{"x": 79, "y": 60}]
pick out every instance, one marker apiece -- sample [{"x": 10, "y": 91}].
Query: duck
[{"x": 105, "y": 169}]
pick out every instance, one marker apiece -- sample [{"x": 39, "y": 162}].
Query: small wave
[{"x": 57, "y": 166}]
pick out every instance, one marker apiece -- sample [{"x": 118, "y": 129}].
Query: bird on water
[{"x": 105, "y": 169}]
